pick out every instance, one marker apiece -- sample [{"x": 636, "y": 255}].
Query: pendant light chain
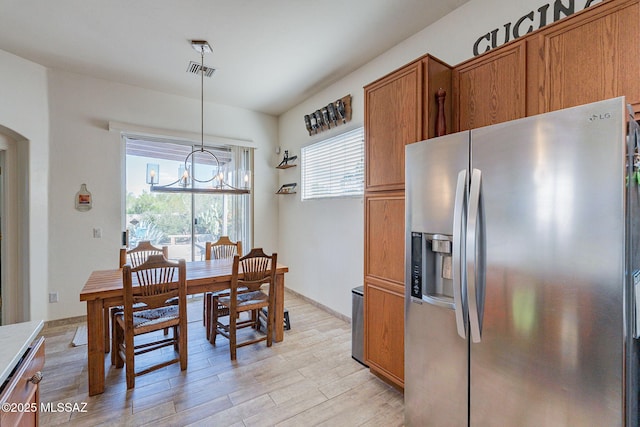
[{"x": 202, "y": 100}]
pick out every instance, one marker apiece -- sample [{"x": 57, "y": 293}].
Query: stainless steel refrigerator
[{"x": 521, "y": 253}]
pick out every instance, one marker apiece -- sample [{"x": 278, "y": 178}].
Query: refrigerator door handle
[
  {"x": 475, "y": 249},
  {"x": 459, "y": 217}
]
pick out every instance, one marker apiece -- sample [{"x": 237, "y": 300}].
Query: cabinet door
[
  {"x": 384, "y": 336},
  {"x": 492, "y": 88},
  {"x": 592, "y": 57},
  {"x": 393, "y": 119},
  {"x": 384, "y": 237}
]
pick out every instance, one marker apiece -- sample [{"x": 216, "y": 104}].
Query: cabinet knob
[{"x": 36, "y": 378}]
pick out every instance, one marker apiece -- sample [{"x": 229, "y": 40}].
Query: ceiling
[{"x": 269, "y": 55}]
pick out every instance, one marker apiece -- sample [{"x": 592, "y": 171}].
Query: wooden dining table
[{"x": 104, "y": 289}]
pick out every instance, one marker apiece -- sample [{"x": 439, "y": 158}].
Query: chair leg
[
  {"x": 206, "y": 315},
  {"x": 129, "y": 362},
  {"x": 118, "y": 337},
  {"x": 182, "y": 338},
  {"x": 270, "y": 321},
  {"x": 205, "y": 310},
  {"x": 255, "y": 319},
  {"x": 213, "y": 324},
  {"x": 232, "y": 336},
  {"x": 107, "y": 334},
  {"x": 114, "y": 341}
]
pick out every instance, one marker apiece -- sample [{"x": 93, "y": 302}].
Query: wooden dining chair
[
  {"x": 223, "y": 248},
  {"x": 134, "y": 257},
  {"x": 252, "y": 272},
  {"x": 156, "y": 281}
]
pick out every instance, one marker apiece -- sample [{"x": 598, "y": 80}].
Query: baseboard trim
[
  {"x": 320, "y": 306},
  {"x": 65, "y": 321}
]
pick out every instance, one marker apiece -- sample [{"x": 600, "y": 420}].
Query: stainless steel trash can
[{"x": 357, "y": 324}]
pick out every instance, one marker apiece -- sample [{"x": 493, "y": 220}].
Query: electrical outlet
[
  {"x": 53, "y": 297},
  {"x": 97, "y": 233}
]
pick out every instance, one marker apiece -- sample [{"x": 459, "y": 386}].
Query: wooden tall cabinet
[{"x": 400, "y": 109}]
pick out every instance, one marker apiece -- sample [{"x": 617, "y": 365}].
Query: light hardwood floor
[{"x": 308, "y": 379}]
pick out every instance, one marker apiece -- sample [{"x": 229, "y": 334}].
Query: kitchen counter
[{"x": 14, "y": 341}]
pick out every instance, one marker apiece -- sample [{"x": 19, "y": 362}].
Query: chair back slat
[
  {"x": 158, "y": 280},
  {"x": 224, "y": 248},
  {"x": 257, "y": 269},
  {"x": 223, "y": 251},
  {"x": 138, "y": 255}
]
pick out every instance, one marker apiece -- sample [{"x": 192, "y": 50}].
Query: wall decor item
[
  {"x": 331, "y": 115},
  {"x": 84, "y": 201},
  {"x": 287, "y": 189},
  {"x": 287, "y": 161},
  {"x": 533, "y": 20}
]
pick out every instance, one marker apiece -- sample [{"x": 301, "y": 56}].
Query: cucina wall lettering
[{"x": 545, "y": 14}]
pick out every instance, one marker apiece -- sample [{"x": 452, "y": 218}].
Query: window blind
[{"x": 334, "y": 167}]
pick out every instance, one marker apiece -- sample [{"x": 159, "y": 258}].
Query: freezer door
[
  {"x": 436, "y": 357},
  {"x": 551, "y": 342}
]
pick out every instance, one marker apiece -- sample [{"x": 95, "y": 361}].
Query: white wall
[
  {"x": 333, "y": 230},
  {"x": 84, "y": 151},
  {"x": 24, "y": 118}
]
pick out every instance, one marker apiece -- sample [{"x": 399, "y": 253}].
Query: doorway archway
[{"x": 14, "y": 214}]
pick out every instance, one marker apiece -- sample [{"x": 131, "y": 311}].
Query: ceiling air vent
[{"x": 196, "y": 68}]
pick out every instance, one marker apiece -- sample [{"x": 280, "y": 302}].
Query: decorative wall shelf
[
  {"x": 287, "y": 189},
  {"x": 287, "y": 161}
]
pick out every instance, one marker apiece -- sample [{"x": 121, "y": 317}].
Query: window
[
  {"x": 334, "y": 167},
  {"x": 182, "y": 221}
]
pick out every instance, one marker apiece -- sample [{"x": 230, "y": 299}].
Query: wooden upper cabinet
[
  {"x": 491, "y": 88},
  {"x": 393, "y": 119},
  {"x": 592, "y": 56}
]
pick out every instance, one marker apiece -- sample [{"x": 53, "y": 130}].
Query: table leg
[
  {"x": 95, "y": 346},
  {"x": 279, "y": 317}
]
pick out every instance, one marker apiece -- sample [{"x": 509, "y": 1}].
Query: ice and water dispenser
[{"x": 431, "y": 268}]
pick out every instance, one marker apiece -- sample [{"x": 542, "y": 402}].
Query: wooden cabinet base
[
  {"x": 384, "y": 330},
  {"x": 384, "y": 377},
  {"x": 22, "y": 389}
]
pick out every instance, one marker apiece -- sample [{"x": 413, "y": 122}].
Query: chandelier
[{"x": 188, "y": 182}]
